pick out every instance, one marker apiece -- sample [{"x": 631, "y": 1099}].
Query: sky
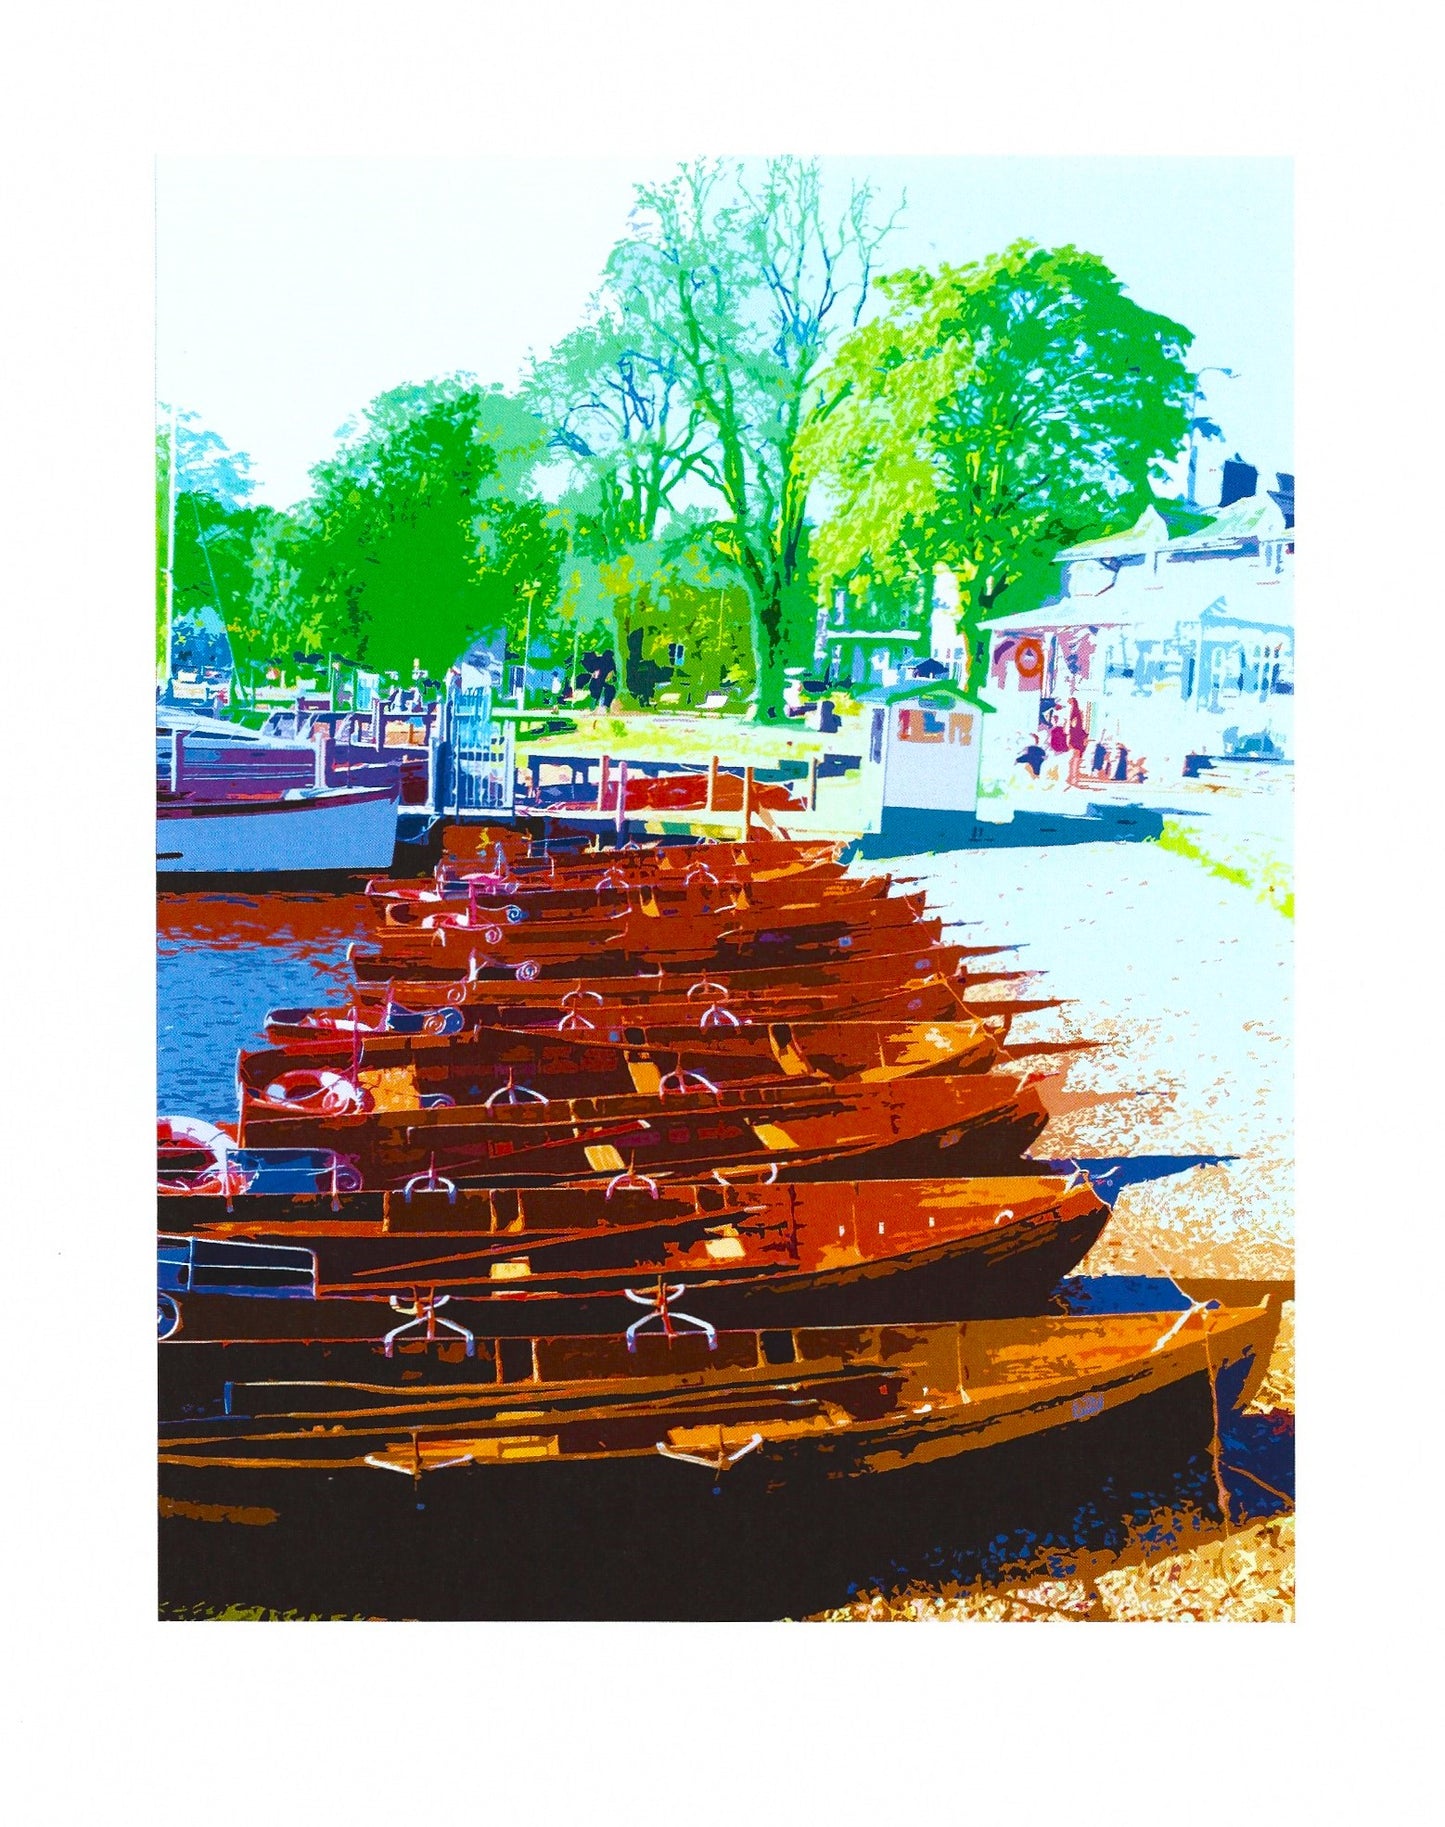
[{"x": 290, "y": 292}]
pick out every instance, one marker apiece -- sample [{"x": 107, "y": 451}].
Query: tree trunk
[{"x": 766, "y": 628}]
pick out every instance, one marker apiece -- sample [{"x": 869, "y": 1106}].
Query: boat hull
[
  {"x": 790, "y": 1528},
  {"x": 331, "y": 831},
  {"x": 907, "y": 1128},
  {"x": 1008, "y": 1271}
]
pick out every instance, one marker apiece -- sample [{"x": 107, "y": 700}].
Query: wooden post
[
  {"x": 178, "y": 746},
  {"x": 621, "y": 797},
  {"x": 812, "y": 783},
  {"x": 747, "y": 801},
  {"x": 322, "y": 741},
  {"x": 712, "y": 784},
  {"x": 602, "y": 784},
  {"x": 378, "y": 725}
]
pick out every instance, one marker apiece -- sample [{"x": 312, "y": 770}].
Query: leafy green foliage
[
  {"x": 994, "y": 414},
  {"x": 622, "y": 427},
  {"x": 423, "y": 532},
  {"x": 722, "y": 390},
  {"x": 217, "y": 533},
  {"x": 701, "y": 366}
]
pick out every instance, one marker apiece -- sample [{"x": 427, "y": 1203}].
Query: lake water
[{"x": 222, "y": 961}]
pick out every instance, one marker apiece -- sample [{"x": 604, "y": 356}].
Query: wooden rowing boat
[
  {"x": 803, "y": 1254},
  {"x": 505, "y": 853},
  {"x": 899, "y": 1125},
  {"x": 403, "y": 1071},
  {"x": 768, "y": 1409},
  {"x": 402, "y": 902},
  {"x": 448, "y": 973},
  {"x": 629, "y": 945},
  {"x": 573, "y": 1011},
  {"x": 655, "y": 923}
]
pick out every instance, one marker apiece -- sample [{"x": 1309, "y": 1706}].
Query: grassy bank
[{"x": 1249, "y": 861}]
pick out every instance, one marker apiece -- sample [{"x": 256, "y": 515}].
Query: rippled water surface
[{"x": 222, "y": 961}]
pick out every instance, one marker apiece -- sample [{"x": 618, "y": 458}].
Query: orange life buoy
[{"x": 1029, "y": 658}]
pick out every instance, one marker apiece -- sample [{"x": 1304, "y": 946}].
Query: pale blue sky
[{"x": 291, "y": 291}]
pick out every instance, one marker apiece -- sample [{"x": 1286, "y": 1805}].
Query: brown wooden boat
[
  {"x": 900, "y": 1125},
  {"x": 449, "y": 974},
  {"x": 698, "y": 890},
  {"x": 657, "y": 923},
  {"x": 804, "y": 1254},
  {"x": 514, "y": 855},
  {"x": 506, "y": 849},
  {"x": 630, "y": 945},
  {"x": 403, "y": 1071},
  {"x": 568, "y": 1011},
  {"x": 762, "y": 1409}
]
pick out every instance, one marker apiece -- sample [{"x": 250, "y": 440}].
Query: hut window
[
  {"x": 920, "y": 726},
  {"x": 778, "y": 1347}
]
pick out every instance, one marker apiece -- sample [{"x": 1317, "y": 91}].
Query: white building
[{"x": 1172, "y": 646}]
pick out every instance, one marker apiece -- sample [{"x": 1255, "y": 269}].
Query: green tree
[
  {"x": 217, "y": 529},
  {"x": 424, "y": 531},
  {"x": 994, "y": 414},
  {"x": 621, "y": 424},
  {"x": 735, "y": 290}
]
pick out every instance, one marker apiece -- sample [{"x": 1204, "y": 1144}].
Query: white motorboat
[{"x": 305, "y": 830}]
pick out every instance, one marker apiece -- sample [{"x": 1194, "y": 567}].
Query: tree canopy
[
  {"x": 727, "y": 436},
  {"x": 991, "y": 415},
  {"x": 217, "y": 533},
  {"x": 702, "y": 363},
  {"x": 422, "y": 532}
]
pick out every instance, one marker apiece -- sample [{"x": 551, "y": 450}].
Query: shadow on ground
[{"x": 931, "y": 833}]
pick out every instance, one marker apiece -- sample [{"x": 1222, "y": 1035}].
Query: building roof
[
  {"x": 1148, "y": 621},
  {"x": 1049, "y": 616},
  {"x": 1148, "y": 532},
  {"x": 931, "y": 694},
  {"x": 1251, "y": 517},
  {"x": 1258, "y": 516}
]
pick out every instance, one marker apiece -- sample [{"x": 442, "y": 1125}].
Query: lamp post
[
  {"x": 526, "y": 649},
  {"x": 1198, "y": 394},
  {"x": 171, "y": 471}
]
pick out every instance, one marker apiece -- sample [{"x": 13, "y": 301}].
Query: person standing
[
  {"x": 1054, "y": 731},
  {"x": 1077, "y": 738}
]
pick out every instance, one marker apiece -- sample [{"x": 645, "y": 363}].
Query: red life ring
[
  {"x": 180, "y": 1137},
  {"x": 1031, "y": 651}
]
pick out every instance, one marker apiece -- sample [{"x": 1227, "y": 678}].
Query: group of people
[{"x": 1061, "y": 747}]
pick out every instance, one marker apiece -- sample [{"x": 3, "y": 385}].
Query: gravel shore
[
  {"x": 1187, "y": 979},
  {"x": 1181, "y": 963}
]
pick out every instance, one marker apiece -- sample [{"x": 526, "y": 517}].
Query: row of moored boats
[{"x": 703, "y": 1154}]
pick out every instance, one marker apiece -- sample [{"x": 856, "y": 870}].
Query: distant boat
[{"x": 304, "y": 830}]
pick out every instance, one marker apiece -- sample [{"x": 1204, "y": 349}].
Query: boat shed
[{"x": 925, "y": 739}]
